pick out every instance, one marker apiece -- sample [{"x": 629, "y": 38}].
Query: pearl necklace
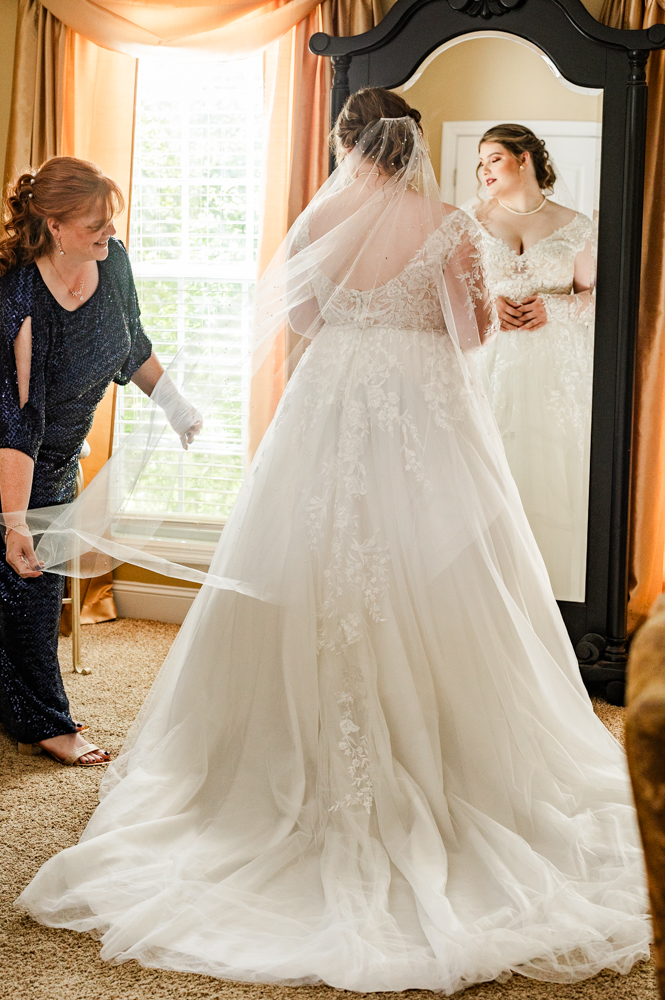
[
  {"x": 532, "y": 212},
  {"x": 78, "y": 294}
]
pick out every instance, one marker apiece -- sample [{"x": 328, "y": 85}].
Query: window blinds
[{"x": 193, "y": 243}]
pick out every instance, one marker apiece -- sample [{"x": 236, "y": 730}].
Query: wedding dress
[
  {"x": 540, "y": 385},
  {"x": 368, "y": 759}
]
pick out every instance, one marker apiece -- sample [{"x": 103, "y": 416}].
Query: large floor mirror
[
  {"x": 540, "y": 382},
  {"x": 561, "y": 394}
]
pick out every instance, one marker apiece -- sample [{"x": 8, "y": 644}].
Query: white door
[{"x": 574, "y": 147}]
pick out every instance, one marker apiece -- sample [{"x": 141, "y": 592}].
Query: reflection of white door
[{"x": 574, "y": 147}]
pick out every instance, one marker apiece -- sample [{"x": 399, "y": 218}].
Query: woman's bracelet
[{"x": 18, "y": 524}]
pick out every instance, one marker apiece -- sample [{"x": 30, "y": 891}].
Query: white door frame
[{"x": 451, "y": 131}]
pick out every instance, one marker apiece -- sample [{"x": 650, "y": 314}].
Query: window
[{"x": 193, "y": 243}]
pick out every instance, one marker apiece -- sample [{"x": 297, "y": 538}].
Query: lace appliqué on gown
[
  {"x": 568, "y": 308},
  {"x": 539, "y": 387},
  {"x": 546, "y": 268},
  {"x": 401, "y": 316},
  {"x": 370, "y": 336}
]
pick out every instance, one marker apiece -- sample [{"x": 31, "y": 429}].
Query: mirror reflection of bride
[
  {"x": 540, "y": 262},
  {"x": 369, "y": 758}
]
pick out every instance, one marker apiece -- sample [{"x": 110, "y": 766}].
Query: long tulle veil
[{"x": 374, "y": 215}]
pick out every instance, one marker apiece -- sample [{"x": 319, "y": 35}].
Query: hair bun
[
  {"x": 365, "y": 108},
  {"x": 23, "y": 188}
]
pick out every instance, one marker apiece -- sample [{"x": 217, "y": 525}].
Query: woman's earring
[{"x": 59, "y": 246}]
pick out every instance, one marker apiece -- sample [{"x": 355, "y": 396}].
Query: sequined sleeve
[
  {"x": 21, "y": 428},
  {"x": 141, "y": 346}
]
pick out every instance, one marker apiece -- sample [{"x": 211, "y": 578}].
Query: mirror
[
  {"x": 539, "y": 380},
  {"x": 515, "y": 80}
]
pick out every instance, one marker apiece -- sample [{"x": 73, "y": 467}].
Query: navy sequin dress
[{"x": 75, "y": 355}]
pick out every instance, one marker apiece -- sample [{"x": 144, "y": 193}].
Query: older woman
[{"x": 69, "y": 325}]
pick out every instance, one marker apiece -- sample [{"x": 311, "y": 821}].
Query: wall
[
  {"x": 141, "y": 594},
  {"x": 492, "y": 78},
  {"x": 8, "y": 12}
]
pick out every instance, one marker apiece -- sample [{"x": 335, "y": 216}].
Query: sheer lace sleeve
[
  {"x": 304, "y": 312},
  {"x": 579, "y": 305},
  {"x": 473, "y": 308},
  {"x": 574, "y": 308}
]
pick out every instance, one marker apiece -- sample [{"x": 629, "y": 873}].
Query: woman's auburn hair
[
  {"x": 367, "y": 107},
  {"x": 518, "y": 139},
  {"x": 63, "y": 188}
]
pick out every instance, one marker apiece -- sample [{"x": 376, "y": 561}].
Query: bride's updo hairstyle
[
  {"x": 518, "y": 139},
  {"x": 63, "y": 188},
  {"x": 364, "y": 108}
]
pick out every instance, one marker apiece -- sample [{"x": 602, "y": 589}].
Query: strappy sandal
[{"x": 32, "y": 749}]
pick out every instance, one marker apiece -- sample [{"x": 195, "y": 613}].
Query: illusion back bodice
[{"x": 410, "y": 300}]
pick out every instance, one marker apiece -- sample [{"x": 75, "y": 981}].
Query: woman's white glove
[{"x": 184, "y": 418}]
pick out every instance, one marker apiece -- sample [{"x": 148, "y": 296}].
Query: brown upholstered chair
[{"x": 645, "y": 744}]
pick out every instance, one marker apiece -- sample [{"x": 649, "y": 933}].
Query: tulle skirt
[
  {"x": 372, "y": 762},
  {"x": 540, "y": 388}
]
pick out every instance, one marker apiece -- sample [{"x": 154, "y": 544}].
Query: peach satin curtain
[
  {"x": 647, "y": 528},
  {"x": 35, "y": 125},
  {"x": 297, "y": 86},
  {"x": 222, "y": 27},
  {"x": 99, "y": 96},
  {"x": 352, "y": 17},
  {"x": 72, "y": 98},
  {"x": 295, "y": 165}
]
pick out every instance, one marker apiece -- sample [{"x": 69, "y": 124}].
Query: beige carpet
[{"x": 44, "y": 807}]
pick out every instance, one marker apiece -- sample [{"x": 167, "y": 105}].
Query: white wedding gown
[
  {"x": 372, "y": 763},
  {"x": 540, "y": 386}
]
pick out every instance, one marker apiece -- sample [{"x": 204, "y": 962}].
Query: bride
[
  {"x": 368, "y": 760},
  {"x": 539, "y": 265}
]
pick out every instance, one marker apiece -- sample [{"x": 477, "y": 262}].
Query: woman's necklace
[
  {"x": 78, "y": 293},
  {"x": 532, "y": 212}
]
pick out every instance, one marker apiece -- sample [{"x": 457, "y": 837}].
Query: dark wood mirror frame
[{"x": 588, "y": 54}]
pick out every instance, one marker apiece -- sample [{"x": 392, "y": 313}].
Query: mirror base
[
  {"x": 615, "y": 693},
  {"x": 608, "y": 680}
]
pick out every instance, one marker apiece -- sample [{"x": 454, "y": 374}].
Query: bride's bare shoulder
[
  {"x": 455, "y": 216},
  {"x": 482, "y": 211},
  {"x": 560, "y": 214}
]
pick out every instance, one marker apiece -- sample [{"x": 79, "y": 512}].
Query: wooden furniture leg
[
  {"x": 75, "y": 600},
  {"x": 645, "y": 745}
]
